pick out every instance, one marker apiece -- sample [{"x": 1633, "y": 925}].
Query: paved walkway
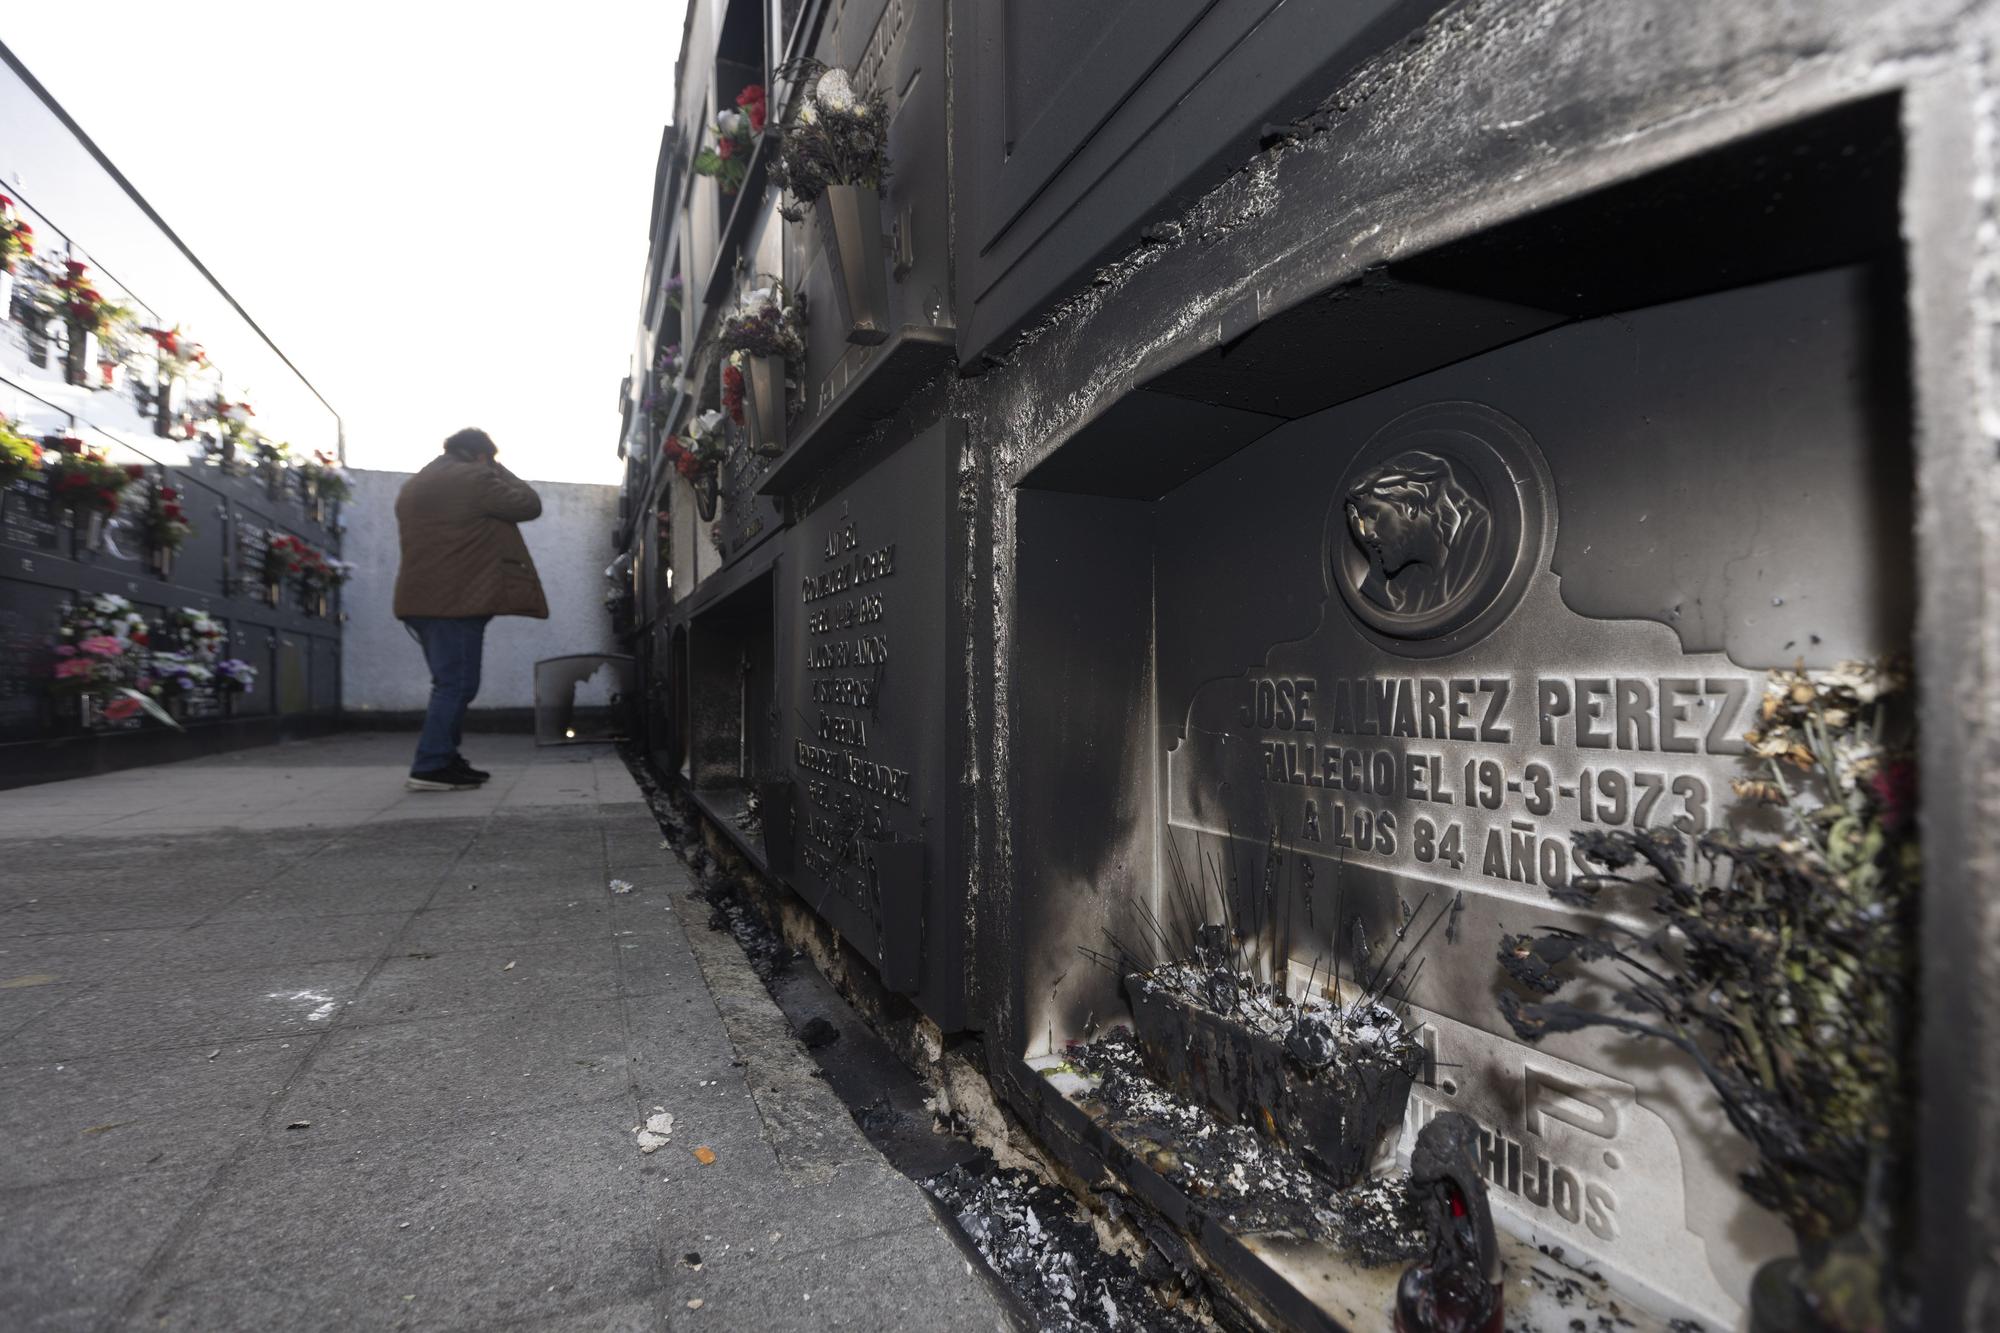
[{"x": 284, "y": 1047}]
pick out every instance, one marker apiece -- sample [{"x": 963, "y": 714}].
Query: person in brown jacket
[{"x": 463, "y": 563}]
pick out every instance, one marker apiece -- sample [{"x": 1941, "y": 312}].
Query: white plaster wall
[{"x": 382, "y": 669}]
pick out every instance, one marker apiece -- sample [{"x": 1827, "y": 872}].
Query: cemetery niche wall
[
  {"x": 1261, "y": 551},
  {"x": 173, "y": 488},
  {"x": 1347, "y": 698}
]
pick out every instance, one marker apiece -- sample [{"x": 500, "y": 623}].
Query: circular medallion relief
[{"x": 1437, "y": 526}]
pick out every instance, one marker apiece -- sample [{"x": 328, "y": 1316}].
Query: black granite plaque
[{"x": 862, "y": 670}]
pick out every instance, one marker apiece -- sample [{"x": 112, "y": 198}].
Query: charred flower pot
[
  {"x": 1335, "y": 1115},
  {"x": 849, "y": 218},
  {"x": 764, "y": 378},
  {"x": 707, "y": 492}
]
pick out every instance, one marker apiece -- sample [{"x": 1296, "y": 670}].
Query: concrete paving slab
[
  {"x": 149, "y": 1012},
  {"x": 73, "y": 1252},
  {"x": 526, "y": 1218},
  {"x": 117, "y": 1115},
  {"x": 432, "y": 1075},
  {"x": 468, "y": 1158},
  {"x": 488, "y": 978}
]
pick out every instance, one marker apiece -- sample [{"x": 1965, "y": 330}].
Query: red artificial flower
[
  {"x": 169, "y": 493},
  {"x": 725, "y": 148},
  {"x": 5, "y": 202},
  {"x": 122, "y": 707},
  {"x": 69, "y": 444},
  {"x": 76, "y": 270},
  {"x": 172, "y": 511},
  {"x": 732, "y": 392},
  {"x": 134, "y": 471}
]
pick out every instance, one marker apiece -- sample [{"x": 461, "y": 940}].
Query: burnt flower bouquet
[
  {"x": 1782, "y": 968},
  {"x": 834, "y": 137}
]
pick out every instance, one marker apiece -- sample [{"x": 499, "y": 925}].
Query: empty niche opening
[{"x": 731, "y": 674}]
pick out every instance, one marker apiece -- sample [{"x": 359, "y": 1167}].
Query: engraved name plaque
[{"x": 1428, "y": 718}]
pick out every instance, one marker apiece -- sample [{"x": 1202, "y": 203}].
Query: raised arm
[{"x": 504, "y": 495}]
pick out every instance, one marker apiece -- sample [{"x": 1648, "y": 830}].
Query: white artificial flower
[
  {"x": 808, "y": 113},
  {"x": 760, "y": 296},
  {"x": 709, "y": 420},
  {"x": 731, "y": 123},
  {"x": 835, "y": 91}
]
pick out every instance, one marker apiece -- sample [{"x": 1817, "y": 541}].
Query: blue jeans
[{"x": 452, "y": 647}]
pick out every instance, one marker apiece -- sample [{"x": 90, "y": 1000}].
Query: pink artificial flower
[
  {"x": 102, "y": 645},
  {"x": 121, "y": 708},
  {"x": 65, "y": 650},
  {"x": 72, "y": 668}
]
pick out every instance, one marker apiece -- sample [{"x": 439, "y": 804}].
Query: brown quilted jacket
[{"x": 462, "y": 554}]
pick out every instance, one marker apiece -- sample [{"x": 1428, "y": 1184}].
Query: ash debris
[
  {"x": 1037, "y": 1239},
  {"x": 769, "y": 955},
  {"x": 1235, "y": 1173}
]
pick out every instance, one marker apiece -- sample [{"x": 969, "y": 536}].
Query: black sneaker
[
  {"x": 465, "y": 770},
  {"x": 440, "y": 779}
]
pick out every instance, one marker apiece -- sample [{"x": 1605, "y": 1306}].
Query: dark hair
[{"x": 471, "y": 444}]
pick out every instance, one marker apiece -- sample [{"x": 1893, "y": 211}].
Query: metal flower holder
[
  {"x": 849, "y": 218},
  {"x": 764, "y": 395}
]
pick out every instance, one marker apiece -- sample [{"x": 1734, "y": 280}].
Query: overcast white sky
[{"x": 437, "y": 210}]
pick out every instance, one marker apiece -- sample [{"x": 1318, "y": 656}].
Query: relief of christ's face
[{"x": 1418, "y": 526}]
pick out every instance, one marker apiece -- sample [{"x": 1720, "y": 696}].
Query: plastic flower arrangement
[
  {"x": 166, "y": 524},
  {"x": 201, "y": 636},
  {"x": 19, "y": 455},
  {"x": 17, "y": 238},
  {"x": 233, "y": 675},
  {"x": 675, "y": 292},
  {"x": 732, "y": 387},
  {"x": 1782, "y": 969},
  {"x": 768, "y": 322},
  {"x": 284, "y": 556},
  {"x": 180, "y": 355},
  {"x": 699, "y": 446},
  {"x": 270, "y": 450},
  {"x": 176, "y": 675},
  {"x": 735, "y": 134},
  {"x": 101, "y": 652},
  {"x": 834, "y": 136},
  {"x": 232, "y": 425},
  {"x": 86, "y": 308},
  {"x": 325, "y": 478},
  {"x": 670, "y": 363},
  {"x": 319, "y": 571},
  {"x": 84, "y": 480}
]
